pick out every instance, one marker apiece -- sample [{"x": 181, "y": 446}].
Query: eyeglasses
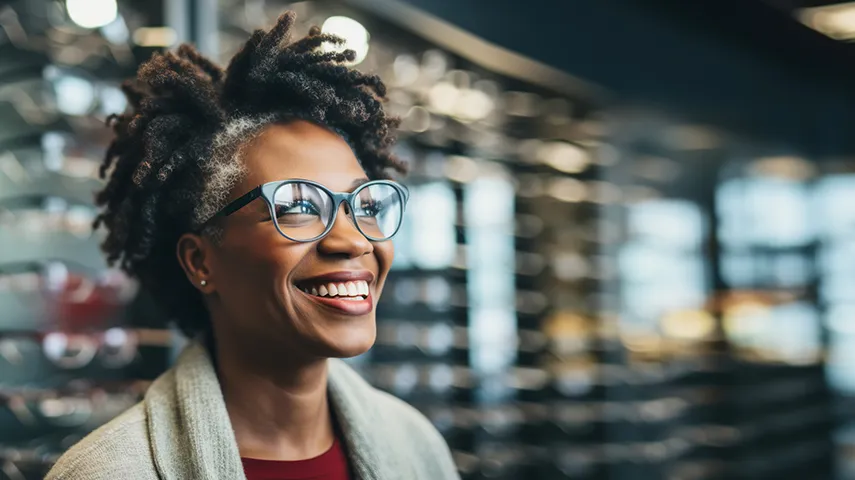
[
  {"x": 42, "y": 215},
  {"x": 79, "y": 405},
  {"x": 116, "y": 348},
  {"x": 305, "y": 211},
  {"x": 63, "y": 293}
]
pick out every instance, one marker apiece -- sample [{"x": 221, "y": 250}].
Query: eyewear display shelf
[
  {"x": 715, "y": 288},
  {"x": 78, "y": 342},
  {"x": 779, "y": 400}
]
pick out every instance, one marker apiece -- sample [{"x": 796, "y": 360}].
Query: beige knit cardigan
[{"x": 181, "y": 431}]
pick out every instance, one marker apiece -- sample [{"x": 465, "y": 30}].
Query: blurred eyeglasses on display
[
  {"x": 43, "y": 214},
  {"x": 115, "y": 348}
]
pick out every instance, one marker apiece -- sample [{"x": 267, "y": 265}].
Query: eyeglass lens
[{"x": 304, "y": 211}]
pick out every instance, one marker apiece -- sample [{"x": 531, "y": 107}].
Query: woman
[{"x": 252, "y": 203}]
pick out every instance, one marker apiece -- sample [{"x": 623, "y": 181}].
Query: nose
[{"x": 344, "y": 239}]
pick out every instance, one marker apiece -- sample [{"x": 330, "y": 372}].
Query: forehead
[{"x": 304, "y": 150}]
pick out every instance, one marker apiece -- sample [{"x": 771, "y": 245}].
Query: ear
[{"x": 194, "y": 256}]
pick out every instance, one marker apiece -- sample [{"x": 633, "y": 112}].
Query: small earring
[{"x": 203, "y": 282}]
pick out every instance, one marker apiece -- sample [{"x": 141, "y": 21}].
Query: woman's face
[{"x": 259, "y": 276}]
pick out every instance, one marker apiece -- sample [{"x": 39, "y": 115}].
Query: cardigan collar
[{"x": 192, "y": 437}]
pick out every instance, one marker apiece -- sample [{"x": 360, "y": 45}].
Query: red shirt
[{"x": 331, "y": 465}]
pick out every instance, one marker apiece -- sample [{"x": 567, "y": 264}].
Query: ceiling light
[
  {"x": 92, "y": 13},
  {"x": 155, "y": 37},
  {"x": 354, "y": 34},
  {"x": 836, "y": 21}
]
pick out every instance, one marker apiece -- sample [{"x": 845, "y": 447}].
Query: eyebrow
[{"x": 359, "y": 182}]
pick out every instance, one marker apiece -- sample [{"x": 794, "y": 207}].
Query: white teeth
[{"x": 347, "y": 290}]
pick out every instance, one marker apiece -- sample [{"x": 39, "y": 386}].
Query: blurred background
[{"x": 629, "y": 253}]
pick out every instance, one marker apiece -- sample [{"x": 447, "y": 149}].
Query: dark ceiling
[{"x": 744, "y": 65}]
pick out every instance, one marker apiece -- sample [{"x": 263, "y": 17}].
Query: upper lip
[{"x": 339, "y": 277}]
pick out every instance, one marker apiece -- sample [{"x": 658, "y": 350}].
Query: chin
[
  {"x": 348, "y": 350},
  {"x": 352, "y": 342}
]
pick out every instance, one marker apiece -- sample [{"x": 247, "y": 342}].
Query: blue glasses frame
[{"x": 268, "y": 190}]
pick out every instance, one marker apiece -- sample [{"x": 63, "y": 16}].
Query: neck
[{"x": 278, "y": 407}]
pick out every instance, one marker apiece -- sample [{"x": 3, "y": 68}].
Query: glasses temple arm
[{"x": 239, "y": 203}]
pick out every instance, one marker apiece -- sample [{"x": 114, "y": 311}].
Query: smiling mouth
[{"x": 356, "y": 290}]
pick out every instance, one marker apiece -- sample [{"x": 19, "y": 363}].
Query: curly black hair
[{"x": 176, "y": 151}]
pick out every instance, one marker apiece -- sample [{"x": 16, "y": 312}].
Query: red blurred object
[
  {"x": 84, "y": 305},
  {"x": 70, "y": 297}
]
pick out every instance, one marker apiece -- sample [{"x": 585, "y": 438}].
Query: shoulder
[
  {"x": 402, "y": 425},
  {"x": 406, "y": 426},
  {"x": 119, "y": 449}
]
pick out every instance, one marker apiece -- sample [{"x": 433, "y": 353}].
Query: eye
[
  {"x": 370, "y": 208},
  {"x": 297, "y": 207}
]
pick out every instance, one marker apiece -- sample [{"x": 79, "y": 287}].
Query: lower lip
[{"x": 347, "y": 307}]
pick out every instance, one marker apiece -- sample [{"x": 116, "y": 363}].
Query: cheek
[
  {"x": 257, "y": 267},
  {"x": 385, "y": 253}
]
